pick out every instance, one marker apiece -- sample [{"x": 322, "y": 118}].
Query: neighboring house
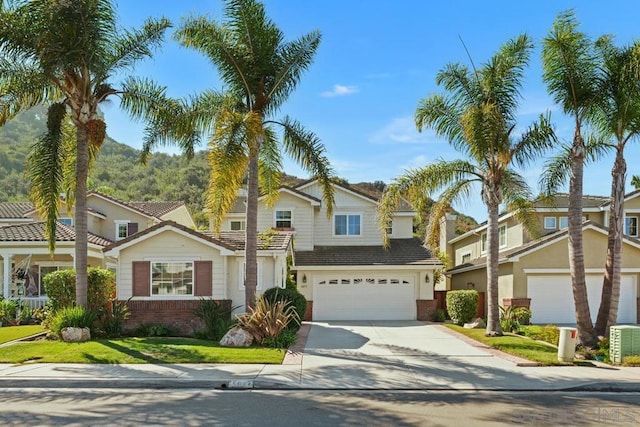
[
  {"x": 340, "y": 264},
  {"x": 535, "y": 272}
]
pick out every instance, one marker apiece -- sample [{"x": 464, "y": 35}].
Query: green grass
[
  {"x": 10, "y": 333},
  {"x": 137, "y": 350},
  {"x": 516, "y": 345}
]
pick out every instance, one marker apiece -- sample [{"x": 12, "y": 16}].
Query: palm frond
[
  {"x": 519, "y": 200},
  {"x": 556, "y": 171},
  {"x": 270, "y": 167},
  {"x": 535, "y": 141}
]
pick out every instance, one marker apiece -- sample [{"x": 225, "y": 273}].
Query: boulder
[
  {"x": 75, "y": 334},
  {"x": 237, "y": 337},
  {"x": 476, "y": 323}
]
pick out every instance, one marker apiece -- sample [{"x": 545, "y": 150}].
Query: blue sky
[{"x": 377, "y": 59}]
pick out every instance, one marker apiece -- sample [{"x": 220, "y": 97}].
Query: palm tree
[
  {"x": 618, "y": 117},
  {"x": 635, "y": 181},
  {"x": 478, "y": 117},
  {"x": 260, "y": 70},
  {"x": 570, "y": 71},
  {"x": 66, "y": 53}
]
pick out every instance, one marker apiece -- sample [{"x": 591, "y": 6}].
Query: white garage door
[
  {"x": 552, "y": 298},
  {"x": 364, "y": 297}
]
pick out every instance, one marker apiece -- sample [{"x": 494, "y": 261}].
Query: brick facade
[
  {"x": 308, "y": 315},
  {"x": 177, "y": 314},
  {"x": 516, "y": 302},
  {"x": 425, "y": 309}
]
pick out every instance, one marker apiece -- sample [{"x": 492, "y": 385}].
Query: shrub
[
  {"x": 61, "y": 289},
  {"x": 268, "y": 319},
  {"x": 462, "y": 305},
  {"x": 286, "y": 339},
  {"x": 72, "y": 317},
  {"x": 548, "y": 333},
  {"x": 114, "y": 321},
  {"x": 154, "y": 330},
  {"x": 293, "y": 297},
  {"x": 631, "y": 360},
  {"x": 42, "y": 314},
  {"x": 439, "y": 315},
  {"x": 216, "y": 317},
  {"x": 26, "y": 314},
  {"x": 8, "y": 311},
  {"x": 511, "y": 318}
]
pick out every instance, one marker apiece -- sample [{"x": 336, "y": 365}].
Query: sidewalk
[{"x": 342, "y": 357}]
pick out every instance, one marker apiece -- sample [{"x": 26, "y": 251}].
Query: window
[
  {"x": 238, "y": 225},
  {"x": 346, "y": 225},
  {"x": 242, "y": 274},
  {"x": 466, "y": 257},
  {"x": 502, "y": 239},
  {"x": 389, "y": 228},
  {"x": 125, "y": 229},
  {"x": 283, "y": 219},
  {"x": 550, "y": 222},
  {"x": 66, "y": 221},
  {"x": 564, "y": 222},
  {"x": 171, "y": 278},
  {"x": 631, "y": 226}
]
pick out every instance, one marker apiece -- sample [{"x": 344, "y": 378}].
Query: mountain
[{"x": 119, "y": 173}]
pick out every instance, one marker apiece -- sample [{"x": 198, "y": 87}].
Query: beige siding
[
  {"x": 170, "y": 246},
  {"x": 114, "y": 213},
  {"x": 269, "y": 276},
  {"x": 302, "y": 218},
  {"x": 181, "y": 216},
  {"x": 402, "y": 227}
]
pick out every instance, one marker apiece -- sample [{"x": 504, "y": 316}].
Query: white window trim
[
  {"x": 243, "y": 224},
  {"x": 389, "y": 226},
  {"x": 567, "y": 219},
  {"x": 118, "y": 223},
  {"x": 555, "y": 223},
  {"x": 275, "y": 219},
  {"x": 464, "y": 254},
  {"x": 241, "y": 270},
  {"x": 174, "y": 260},
  {"x": 347, "y": 214},
  {"x": 637, "y": 218},
  {"x": 484, "y": 236}
]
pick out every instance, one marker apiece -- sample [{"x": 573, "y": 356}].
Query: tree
[
  {"x": 617, "y": 117},
  {"x": 635, "y": 181},
  {"x": 260, "y": 70},
  {"x": 570, "y": 71},
  {"x": 66, "y": 53},
  {"x": 478, "y": 117}
]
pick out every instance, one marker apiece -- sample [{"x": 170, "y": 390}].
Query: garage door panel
[
  {"x": 335, "y": 299},
  {"x": 552, "y": 298}
]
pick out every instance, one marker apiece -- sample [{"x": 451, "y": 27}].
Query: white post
[{"x": 6, "y": 274}]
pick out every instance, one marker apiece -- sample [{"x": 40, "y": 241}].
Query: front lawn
[
  {"x": 137, "y": 350},
  {"x": 526, "y": 348},
  {"x": 10, "y": 333}
]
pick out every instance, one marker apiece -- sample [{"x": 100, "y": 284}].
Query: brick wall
[
  {"x": 308, "y": 315},
  {"x": 177, "y": 314},
  {"x": 516, "y": 302},
  {"x": 425, "y": 309}
]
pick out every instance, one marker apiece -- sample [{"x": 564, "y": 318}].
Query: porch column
[{"x": 6, "y": 274}]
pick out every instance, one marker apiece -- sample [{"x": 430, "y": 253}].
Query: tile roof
[
  {"x": 561, "y": 201},
  {"x": 400, "y": 252},
  {"x": 14, "y": 209},
  {"x": 273, "y": 240},
  {"x": 35, "y": 232},
  {"x": 156, "y": 209}
]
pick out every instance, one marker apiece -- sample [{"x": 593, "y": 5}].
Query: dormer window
[
  {"x": 502, "y": 239},
  {"x": 237, "y": 225},
  {"x": 66, "y": 221},
  {"x": 125, "y": 229},
  {"x": 631, "y": 226},
  {"x": 550, "y": 223}
]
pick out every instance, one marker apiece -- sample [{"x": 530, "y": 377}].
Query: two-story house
[
  {"x": 534, "y": 272},
  {"x": 340, "y": 264}
]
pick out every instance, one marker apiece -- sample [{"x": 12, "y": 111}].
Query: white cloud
[
  {"x": 401, "y": 130},
  {"x": 340, "y": 90}
]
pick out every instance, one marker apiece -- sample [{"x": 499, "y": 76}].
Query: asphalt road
[{"x": 115, "y": 407}]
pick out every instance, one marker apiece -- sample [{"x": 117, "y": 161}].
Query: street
[{"x": 36, "y": 406}]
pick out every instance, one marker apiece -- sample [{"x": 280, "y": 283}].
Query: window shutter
[
  {"x": 132, "y": 228},
  {"x": 203, "y": 283},
  {"x": 141, "y": 278}
]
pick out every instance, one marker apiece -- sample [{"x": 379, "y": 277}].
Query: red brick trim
[
  {"x": 425, "y": 309},
  {"x": 516, "y": 302},
  {"x": 308, "y": 315}
]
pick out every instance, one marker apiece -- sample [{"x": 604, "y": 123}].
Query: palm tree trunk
[
  {"x": 493, "y": 244},
  {"x": 80, "y": 220},
  {"x": 608, "y": 312},
  {"x": 251, "y": 240},
  {"x": 576, "y": 251}
]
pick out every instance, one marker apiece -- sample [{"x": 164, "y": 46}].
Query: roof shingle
[{"x": 35, "y": 232}]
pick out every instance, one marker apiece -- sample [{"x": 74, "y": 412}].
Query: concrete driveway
[{"x": 416, "y": 355}]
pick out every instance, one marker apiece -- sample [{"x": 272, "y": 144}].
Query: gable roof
[
  {"x": 231, "y": 241},
  {"x": 35, "y": 232},
  {"x": 511, "y": 255},
  {"x": 400, "y": 252},
  {"x": 628, "y": 196},
  {"x": 149, "y": 209},
  {"x": 561, "y": 201}
]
